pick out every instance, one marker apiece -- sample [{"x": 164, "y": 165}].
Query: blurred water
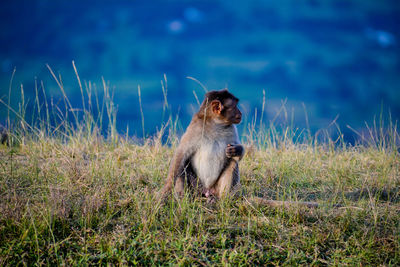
[{"x": 338, "y": 57}]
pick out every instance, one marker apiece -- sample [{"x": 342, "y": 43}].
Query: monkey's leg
[{"x": 228, "y": 179}]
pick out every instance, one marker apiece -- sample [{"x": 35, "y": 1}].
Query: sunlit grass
[{"x": 73, "y": 191}]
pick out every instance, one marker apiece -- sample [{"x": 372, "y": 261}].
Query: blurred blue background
[{"x": 338, "y": 57}]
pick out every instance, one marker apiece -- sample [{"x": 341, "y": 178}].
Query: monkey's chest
[{"x": 209, "y": 161}]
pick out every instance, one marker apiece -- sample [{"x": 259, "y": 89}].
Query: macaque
[{"x": 206, "y": 160}]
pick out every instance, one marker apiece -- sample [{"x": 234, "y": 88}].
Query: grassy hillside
[{"x": 69, "y": 195}]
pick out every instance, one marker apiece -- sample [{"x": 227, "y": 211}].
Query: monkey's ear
[{"x": 216, "y": 106}]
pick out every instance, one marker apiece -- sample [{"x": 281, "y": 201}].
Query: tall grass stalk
[
  {"x": 141, "y": 111},
  {"x": 9, "y": 98}
]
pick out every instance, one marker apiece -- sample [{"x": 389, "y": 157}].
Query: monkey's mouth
[{"x": 237, "y": 120}]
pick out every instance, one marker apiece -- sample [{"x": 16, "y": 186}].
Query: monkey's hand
[{"x": 236, "y": 150}]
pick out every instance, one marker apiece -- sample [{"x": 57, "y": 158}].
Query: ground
[{"x": 86, "y": 200}]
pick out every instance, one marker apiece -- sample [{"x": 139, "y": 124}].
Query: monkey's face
[
  {"x": 227, "y": 112},
  {"x": 231, "y": 112}
]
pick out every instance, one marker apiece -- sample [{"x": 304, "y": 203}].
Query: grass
[{"x": 70, "y": 195}]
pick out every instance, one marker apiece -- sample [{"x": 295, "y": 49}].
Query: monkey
[{"x": 207, "y": 157}]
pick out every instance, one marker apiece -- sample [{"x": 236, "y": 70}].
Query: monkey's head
[{"x": 221, "y": 106}]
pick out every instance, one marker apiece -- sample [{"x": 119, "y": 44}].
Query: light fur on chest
[{"x": 210, "y": 157}]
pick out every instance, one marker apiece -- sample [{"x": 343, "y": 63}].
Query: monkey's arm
[{"x": 176, "y": 174}]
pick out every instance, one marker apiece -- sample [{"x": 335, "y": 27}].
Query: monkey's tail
[{"x": 259, "y": 201}]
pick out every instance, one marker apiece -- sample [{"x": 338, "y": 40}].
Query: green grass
[{"x": 69, "y": 195}]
